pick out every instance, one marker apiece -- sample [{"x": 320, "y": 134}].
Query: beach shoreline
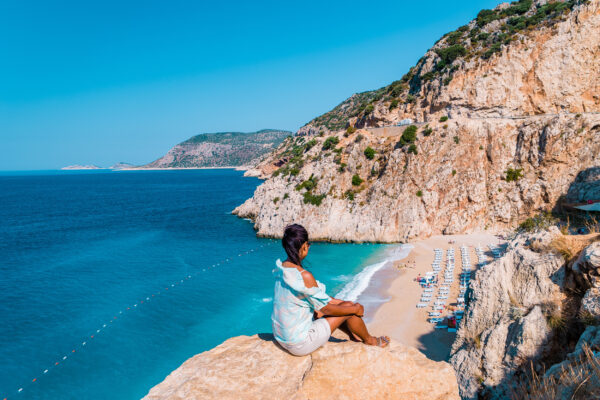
[{"x": 398, "y": 317}]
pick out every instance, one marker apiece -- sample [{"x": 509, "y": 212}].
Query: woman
[{"x": 299, "y": 296}]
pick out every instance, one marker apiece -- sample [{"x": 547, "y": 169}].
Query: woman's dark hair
[{"x": 294, "y": 236}]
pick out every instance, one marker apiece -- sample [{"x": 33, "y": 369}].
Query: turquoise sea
[{"x": 110, "y": 280}]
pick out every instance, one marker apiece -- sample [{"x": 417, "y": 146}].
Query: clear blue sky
[{"x": 87, "y": 82}]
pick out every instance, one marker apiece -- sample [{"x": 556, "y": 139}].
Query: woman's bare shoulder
[{"x": 309, "y": 279}]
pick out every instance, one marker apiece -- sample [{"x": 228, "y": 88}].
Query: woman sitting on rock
[{"x": 304, "y": 316}]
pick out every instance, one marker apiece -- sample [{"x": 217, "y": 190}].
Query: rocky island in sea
[
  {"x": 500, "y": 133},
  {"x": 80, "y": 167}
]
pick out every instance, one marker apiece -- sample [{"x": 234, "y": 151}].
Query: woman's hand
[{"x": 359, "y": 310}]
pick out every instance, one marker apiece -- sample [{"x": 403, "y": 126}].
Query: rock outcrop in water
[
  {"x": 254, "y": 367},
  {"x": 500, "y": 136}
]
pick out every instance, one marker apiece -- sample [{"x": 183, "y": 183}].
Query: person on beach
[{"x": 304, "y": 316}]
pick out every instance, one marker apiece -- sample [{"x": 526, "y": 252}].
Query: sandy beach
[{"x": 399, "y": 318}]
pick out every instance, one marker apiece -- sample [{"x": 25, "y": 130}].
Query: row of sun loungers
[{"x": 446, "y": 270}]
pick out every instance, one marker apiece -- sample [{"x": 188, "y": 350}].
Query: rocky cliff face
[
  {"x": 525, "y": 311},
  {"x": 523, "y": 121},
  {"x": 256, "y": 368},
  {"x": 223, "y": 149}
]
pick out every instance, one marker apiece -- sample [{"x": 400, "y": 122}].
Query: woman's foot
[{"x": 381, "y": 341}]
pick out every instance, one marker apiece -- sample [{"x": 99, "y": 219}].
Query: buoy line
[{"x": 84, "y": 342}]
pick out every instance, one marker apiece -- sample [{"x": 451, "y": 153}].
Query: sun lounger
[
  {"x": 451, "y": 329},
  {"x": 441, "y": 326}
]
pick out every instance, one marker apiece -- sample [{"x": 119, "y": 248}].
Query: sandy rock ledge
[{"x": 254, "y": 367}]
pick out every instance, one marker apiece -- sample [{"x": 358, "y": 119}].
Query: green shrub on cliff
[
  {"x": 310, "y": 144},
  {"x": 517, "y": 8},
  {"x": 444, "y": 118},
  {"x": 451, "y": 53},
  {"x": 483, "y": 36},
  {"x": 330, "y": 142},
  {"x": 428, "y": 76},
  {"x": 486, "y": 16},
  {"x": 496, "y": 48},
  {"x": 540, "y": 222},
  {"x": 453, "y": 37},
  {"x": 514, "y": 174},
  {"x": 308, "y": 184},
  {"x": 315, "y": 200},
  {"x": 408, "y": 136},
  {"x": 356, "y": 180},
  {"x": 294, "y": 171},
  {"x": 369, "y": 153}
]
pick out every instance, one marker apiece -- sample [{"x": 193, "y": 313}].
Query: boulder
[
  {"x": 591, "y": 302},
  {"x": 255, "y": 367},
  {"x": 587, "y": 265}
]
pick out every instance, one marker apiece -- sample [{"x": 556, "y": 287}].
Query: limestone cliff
[
  {"x": 506, "y": 114},
  {"x": 254, "y": 367},
  {"x": 526, "y": 312}
]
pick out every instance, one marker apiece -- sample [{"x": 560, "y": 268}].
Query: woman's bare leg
[
  {"x": 346, "y": 329},
  {"x": 335, "y": 322},
  {"x": 357, "y": 327}
]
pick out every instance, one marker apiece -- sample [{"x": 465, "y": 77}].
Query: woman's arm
[
  {"x": 319, "y": 314},
  {"x": 335, "y": 307},
  {"x": 340, "y": 310}
]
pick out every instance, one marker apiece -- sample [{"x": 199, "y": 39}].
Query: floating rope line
[{"x": 132, "y": 307}]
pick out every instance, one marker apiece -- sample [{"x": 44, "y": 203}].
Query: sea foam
[{"x": 361, "y": 281}]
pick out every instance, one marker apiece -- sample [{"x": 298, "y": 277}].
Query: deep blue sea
[{"x": 107, "y": 278}]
